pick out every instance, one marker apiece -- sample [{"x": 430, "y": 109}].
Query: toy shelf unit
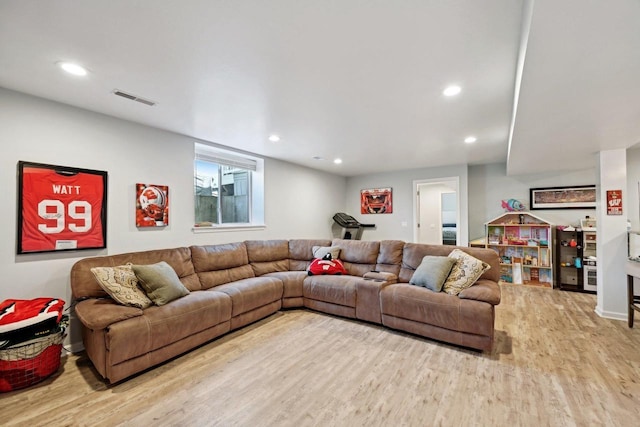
[{"x": 522, "y": 241}]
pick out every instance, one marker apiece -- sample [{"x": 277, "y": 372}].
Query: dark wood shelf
[{"x": 567, "y": 254}]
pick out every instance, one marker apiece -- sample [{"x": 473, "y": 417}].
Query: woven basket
[{"x": 30, "y": 362}]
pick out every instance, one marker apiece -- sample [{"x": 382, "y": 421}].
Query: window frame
[{"x": 255, "y": 185}]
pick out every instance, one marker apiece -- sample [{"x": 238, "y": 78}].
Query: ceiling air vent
[{"x": 133, "y": 97}]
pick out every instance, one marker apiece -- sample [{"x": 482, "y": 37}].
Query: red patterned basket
[{"x": 30, "y": 362}]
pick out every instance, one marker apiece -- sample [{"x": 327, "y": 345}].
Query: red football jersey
[{"x": 61, "y": 211}]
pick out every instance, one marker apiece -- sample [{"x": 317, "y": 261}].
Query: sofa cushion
[
  {"x": 97, "y": 314},
  {"x": 432, "y": 272},
  {"x": 219, "y": 257},
  {"x": 220, "y": 264},
  {"x": 160, "y": 282},
  {"x": 252, "y": 293},
  {"x": 436, "y": 308},
  {"x": 390, "y": 256},
  {"x": 121, "y": 283},
  {"x": 483, "y": 290},
  {"x": 268, "y": 256},
  {"x": 292, "y": 282},
  {"x": 359, "y": 256},
  {"x": 161, "y": 326},
  {"x": 466, "y": 270},
  {"x": 339, "y": 290}
]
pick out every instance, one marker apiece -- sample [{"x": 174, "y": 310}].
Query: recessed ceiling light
[
  {"x": 337, "y": 161},
  {"x": 274, "y": 138},
  {"x": 452, "y": 90},
  {"x": 470, "y": 139},
  {"x": 72, "y": 68}
]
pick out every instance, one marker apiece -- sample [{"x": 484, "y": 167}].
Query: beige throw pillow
[
  {"x": 464, "y": 272},
  {"x": 160, "y": 282},
  {"x": 122, "y": 285}
]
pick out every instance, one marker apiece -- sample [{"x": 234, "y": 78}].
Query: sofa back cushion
[
  {"x": 413, "y": 254},
  {"x": 359, "y": 256},
  {"x": 268, "y": 256},
  {"x": 220, "y": 264},
  {"x": 301, "y": 252},
  {"x": 85, "y": 285},
  {"x": 390, "y": 256}
]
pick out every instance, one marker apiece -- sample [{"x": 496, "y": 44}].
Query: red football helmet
[{"x": 153, "y": 201}]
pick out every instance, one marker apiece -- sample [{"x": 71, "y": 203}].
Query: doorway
[{"x": 437, "y": 211}]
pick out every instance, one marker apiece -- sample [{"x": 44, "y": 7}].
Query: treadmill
[{"x": 352, "y": 227}]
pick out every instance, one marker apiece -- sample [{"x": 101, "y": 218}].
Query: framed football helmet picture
[{"x": 152, "y": 205}]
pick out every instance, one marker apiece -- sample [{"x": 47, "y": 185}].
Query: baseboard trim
[
  {"x": 73, "y": 348},
  {"x": 610, "y": 314}
]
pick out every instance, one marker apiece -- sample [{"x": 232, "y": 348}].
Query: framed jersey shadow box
[{"x": 60, "y": 208}]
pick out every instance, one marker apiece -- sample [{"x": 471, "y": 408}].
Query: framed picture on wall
[
  {"x": 376, "y": 201},
  {"x": 60, "y": 208},
  {"x": 575, "y": 197},
  {"x": 152, "y": 205}
]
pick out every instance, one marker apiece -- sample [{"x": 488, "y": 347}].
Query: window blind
[{"x": 228, "y": 160}]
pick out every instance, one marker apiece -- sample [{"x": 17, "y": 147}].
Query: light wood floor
[{"x": 556, "y": 363}]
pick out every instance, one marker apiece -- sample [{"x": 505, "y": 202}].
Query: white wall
[
  {"x": 489, "y": 185},
  {"x": 43, "y": 131},
  {"x": 612, "y": 236},
  {"x": 391, "y": 226},
  {"x": 630, "y": 199}
]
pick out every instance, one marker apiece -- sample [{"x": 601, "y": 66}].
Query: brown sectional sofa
[{"x": 235, "y": 284}]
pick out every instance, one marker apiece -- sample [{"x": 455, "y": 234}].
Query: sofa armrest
[
  {"x": 97, "y": 314},
  {"x": 381, "y": 276},
  {"x": 483, "y": 290}
]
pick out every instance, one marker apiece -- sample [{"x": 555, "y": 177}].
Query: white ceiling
[{"x": 357, "y": 79}]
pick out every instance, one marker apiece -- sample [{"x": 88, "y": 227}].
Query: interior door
[{"x": 429, "y": 209}]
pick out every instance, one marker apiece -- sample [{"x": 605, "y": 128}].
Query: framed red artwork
[
  {"x": 152, "y": 205},
  {"x": 376, "y": 201},
  {"x": 60, "y": 208},
  {"x": 614, "y": 202}
]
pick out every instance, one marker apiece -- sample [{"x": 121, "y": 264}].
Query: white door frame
[{"x": 416, "y": 207}]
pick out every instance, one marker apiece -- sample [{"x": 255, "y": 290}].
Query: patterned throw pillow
[
  {"x": 464, "y": 273},
  {"x": 122, "y": 285}
]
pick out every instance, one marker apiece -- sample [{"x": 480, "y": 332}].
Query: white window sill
[{"x": 228, "y": 227}]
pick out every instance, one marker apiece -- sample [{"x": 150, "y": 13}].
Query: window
[{"x": 228, "y": 188}]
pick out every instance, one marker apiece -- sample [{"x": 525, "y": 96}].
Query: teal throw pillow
[
  {"x": 160, "y": 282},
  {"x": 432, "y": 272}
]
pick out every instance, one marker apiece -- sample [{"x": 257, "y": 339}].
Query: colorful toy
[{"x": 512, "y": 205}]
